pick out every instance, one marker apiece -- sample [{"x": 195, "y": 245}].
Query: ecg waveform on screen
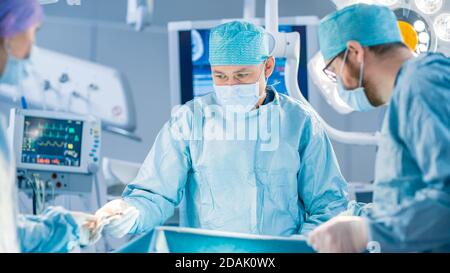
[
  {"x": 52, "y": 141},
  {"x": 51, "y": 144}
]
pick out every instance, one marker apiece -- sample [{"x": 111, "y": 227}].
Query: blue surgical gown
[
  {"x": 411, "y": 211},
  {"x": 281, "y": 183},
  {"x": 53, "y": 231}
]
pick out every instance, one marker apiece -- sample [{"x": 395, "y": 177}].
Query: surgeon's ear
[
  {"x": 270, "y": 66},
  {"x": 355, "y": 51}
]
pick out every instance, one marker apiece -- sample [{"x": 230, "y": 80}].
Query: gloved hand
[
  {"x": 342, "y": 234},
  {"x": 87, "y": 227},
  {"x": 117, "y": 217}
]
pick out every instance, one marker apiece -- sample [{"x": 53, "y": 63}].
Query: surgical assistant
[
  {"x": 57, "y": 230},
  {"x": 411, "y": 210}
]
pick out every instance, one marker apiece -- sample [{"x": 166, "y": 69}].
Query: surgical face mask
[
  {"x": 15, "y": 70},
  {"x": 355, "y": 98},
  {"x": 239, "y": 97}
]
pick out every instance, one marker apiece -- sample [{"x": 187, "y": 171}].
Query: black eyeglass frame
[{"x": 331, "y": 75}]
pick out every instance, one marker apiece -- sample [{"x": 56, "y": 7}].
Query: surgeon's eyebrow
[
  {"x": 246, "y": 69},
  {"x": 242, "y": 70},
  {"x": 218, "y": 71}
]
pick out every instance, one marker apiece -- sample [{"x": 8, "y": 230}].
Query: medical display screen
[
  {"x": 49, "y": 141},
  {"x": 195, "y": 71}
]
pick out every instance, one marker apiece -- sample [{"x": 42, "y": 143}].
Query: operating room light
[
  {"x": 419, "y": 26},
  {"x": 429, "y": 6},
  {"x": 422, "y": 48},
  {"x": 424, "y": 37},
  {"x": 442, "y": 26}
]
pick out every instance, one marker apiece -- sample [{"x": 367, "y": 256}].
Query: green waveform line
[{"x": 51, "y": 143}]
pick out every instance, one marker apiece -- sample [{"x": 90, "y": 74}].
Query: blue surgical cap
[
  {"x": 238, "y": 43},
  {"x": 17, "y": 16},
  {"x": 369, "y": 25}
]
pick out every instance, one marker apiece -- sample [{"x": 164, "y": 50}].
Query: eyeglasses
[{"x": 330, "y": 74}]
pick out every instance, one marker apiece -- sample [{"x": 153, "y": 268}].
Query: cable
[
  {"x": 29, "y": 181},
  {"x": 53, "y": 193},
  {"x": 38, "y": 192}
]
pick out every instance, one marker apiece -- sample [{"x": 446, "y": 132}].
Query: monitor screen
[
  {"x": 52, "y": 141},
  {"x": 195, "y": 71}
]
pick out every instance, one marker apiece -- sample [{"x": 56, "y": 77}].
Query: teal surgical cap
[
  {"x": 369, "y": 25},
  {"x": 238, "y": 43}
]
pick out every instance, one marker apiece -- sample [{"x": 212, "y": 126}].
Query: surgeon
[
  {"x": 372, "y": 67},
  {"x": 284, "y": 181},
  {"x": 56, "y": 230}
]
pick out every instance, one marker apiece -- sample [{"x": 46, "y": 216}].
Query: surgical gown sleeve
[
  {"x": 322, "y": 188},
  {"x": 53, "y": 231},
  {"x": 421, "y": 222},
  {"x": 158, "y": 187}
]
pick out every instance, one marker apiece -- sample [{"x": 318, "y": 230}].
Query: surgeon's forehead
[{"x": 233, "y": 68}]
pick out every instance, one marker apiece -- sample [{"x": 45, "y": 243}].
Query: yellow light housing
[{"x": 409, "y": 34}]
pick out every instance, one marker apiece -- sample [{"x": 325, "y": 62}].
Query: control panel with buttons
[{"x": 62, "y": 150}]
